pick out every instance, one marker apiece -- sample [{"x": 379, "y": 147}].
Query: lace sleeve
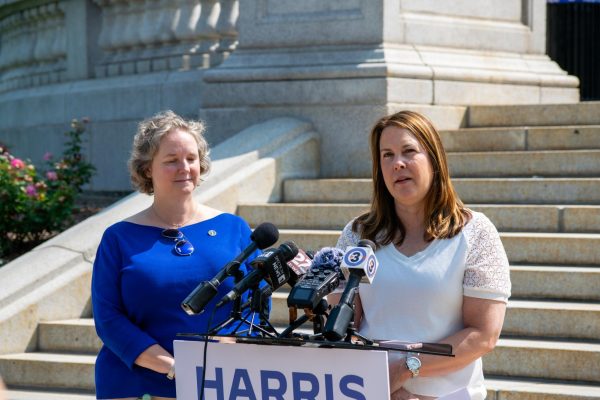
[
  {"x": 487, "y": 273},
  {"x": 347, "y": 238}
]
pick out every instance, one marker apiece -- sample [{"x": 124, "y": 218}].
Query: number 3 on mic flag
[
  {"x": 361, "y": 258},
  {"x": 355, "y": 257},
  {"x": 371, "y": 266}
]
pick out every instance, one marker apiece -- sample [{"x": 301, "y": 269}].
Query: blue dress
[{"x": 138, "y": 284}]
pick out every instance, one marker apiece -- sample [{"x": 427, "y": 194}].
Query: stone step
[
  {"x": 580, "y": 163},
  {"x": 521, "y": 248},
  {"x": 585, "y": 113},
  {"x": 574, "y": 137},
  {"x": 535, "y": 282},
  {"x": 48, "y": 370},
  {"x": 40, "y": 394},
  {"x": 552, "y": 248},
  {"x": 471, "y": 190},
  {"x": 508, "y": 218},
  {"x": 545, "y": 359},
  {"x": 74, "y": 335},
  {"x": 529, "y": 190},
  {"x": 301, "y": 215},
  {"x": 552, "y": 319},
  {"x": 520, "y": 389},
  {"x": 524, "y": 318},
  {"x": 555, "y": 282},
  {"x": 327, "y": 190}
]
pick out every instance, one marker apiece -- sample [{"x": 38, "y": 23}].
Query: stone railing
[
  {"x": 140, "y": 36},
  {"x": 44, "y": 42},
  {"x": 33, "y": 46}
]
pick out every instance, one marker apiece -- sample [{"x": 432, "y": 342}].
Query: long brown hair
[{"x": 445, "y": 214}]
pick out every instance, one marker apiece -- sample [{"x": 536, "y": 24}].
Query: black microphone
[
  {"x": 265, "y": 235},
  {"x": 359, "y": 265},
  {"x": 322, "y": 278},
  {"x": 271, "y": 266}
]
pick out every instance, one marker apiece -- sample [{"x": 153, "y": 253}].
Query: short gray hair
[{"x": 147, "y": 139}]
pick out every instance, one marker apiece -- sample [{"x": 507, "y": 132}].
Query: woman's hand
[
  {"x": 398, "y": 373},
  {"x": 156, "y": 358}
]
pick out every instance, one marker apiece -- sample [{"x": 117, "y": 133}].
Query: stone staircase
[{"x": 532, "y": 169}]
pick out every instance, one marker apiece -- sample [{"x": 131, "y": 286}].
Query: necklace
[{"x": 177, "y": 226}]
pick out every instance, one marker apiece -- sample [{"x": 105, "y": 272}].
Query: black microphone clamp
[{"x": 270, "y": 265}]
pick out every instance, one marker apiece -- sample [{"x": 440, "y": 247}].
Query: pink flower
[
  {"x": 51, "y": 175},
  {"x": 30, "y": 190},
  {"x": 17, "y": 163},
  {"x": 48, "y": 156}
]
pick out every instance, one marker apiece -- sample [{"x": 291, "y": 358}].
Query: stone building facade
[{"x": 336, "y": 63}]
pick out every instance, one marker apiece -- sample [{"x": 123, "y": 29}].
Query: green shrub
[{"x": 35, "y": 205}]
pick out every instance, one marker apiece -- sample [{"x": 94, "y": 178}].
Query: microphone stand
[
  {"x": 351, "y": 331},
  {"x": 236, "y": 310},
  {"x": 257, "y": 304},
  {"x": 316, "y": 315}
]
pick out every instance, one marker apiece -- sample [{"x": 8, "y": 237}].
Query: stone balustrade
[
  {"x": 134, "y": 37},
  {"x": 33, "y": 47},
  {"x": 141, "y": 36}
]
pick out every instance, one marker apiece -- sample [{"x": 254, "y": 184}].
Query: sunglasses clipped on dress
[{"x": 182, "y": 246}]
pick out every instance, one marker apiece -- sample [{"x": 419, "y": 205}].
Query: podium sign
[{"x": 274, "y": 372}]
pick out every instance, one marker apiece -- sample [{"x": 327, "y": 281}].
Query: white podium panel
[{"x": 273, "y": 372}]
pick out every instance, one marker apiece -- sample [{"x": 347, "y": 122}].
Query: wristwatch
[{"x": 414, "y": 365}]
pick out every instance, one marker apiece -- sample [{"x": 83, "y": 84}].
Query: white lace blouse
[{"x": 419, "y": 298}]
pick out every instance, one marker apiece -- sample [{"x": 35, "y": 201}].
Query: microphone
[
  {"x": 271, "y": 266},
  {"x": 359, "y": 265},
  {"x": 322, "y": 279},
  {"x": 265, "y": 235}
]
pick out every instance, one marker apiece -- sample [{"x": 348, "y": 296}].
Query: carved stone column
[{"x": 342, "y": 63}]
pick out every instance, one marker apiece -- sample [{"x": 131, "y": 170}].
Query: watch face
[{"x": 413, "y": 363}]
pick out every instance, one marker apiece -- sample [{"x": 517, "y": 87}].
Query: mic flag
[
  {"x": 265, "y": 235},
  {"x": 360, "y": 259},
  {"x": 298, "y": 267}
]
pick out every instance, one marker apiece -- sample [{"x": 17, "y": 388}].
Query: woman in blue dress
[{"x": 147, "y": 264}]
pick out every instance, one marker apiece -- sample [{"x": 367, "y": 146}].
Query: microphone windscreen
[
  {"x": 288, "y": 250},
  {"x": 265, "y": 235},
  {"x": 329, "y": 258}
]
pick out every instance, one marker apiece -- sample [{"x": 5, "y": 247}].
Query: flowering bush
[{"x": 35, "y": 205}]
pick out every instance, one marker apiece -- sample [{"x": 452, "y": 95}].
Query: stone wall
[{"x": 114, "y": 61}]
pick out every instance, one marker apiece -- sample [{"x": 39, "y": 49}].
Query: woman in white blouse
[{"x": 443, "y": 273}]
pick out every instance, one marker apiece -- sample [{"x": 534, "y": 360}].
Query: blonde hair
[
  {"x": 147, "y": 140},
  {"x": 445, "y": 214}
]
